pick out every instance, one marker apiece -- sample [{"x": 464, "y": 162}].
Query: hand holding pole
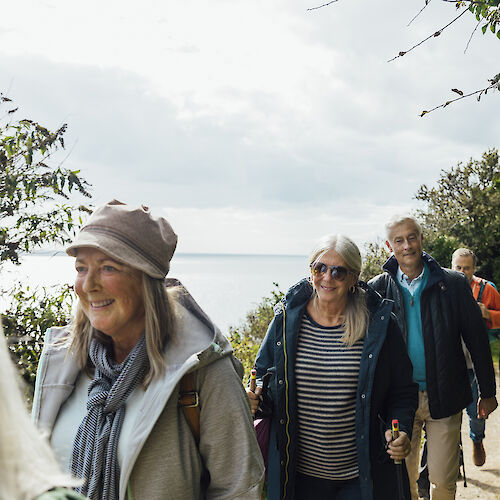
[{"x": 398, "y": 463}]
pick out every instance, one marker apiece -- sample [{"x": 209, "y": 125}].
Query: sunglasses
[{"x": 338, "y": 273}]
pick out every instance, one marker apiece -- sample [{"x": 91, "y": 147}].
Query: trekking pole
[
  {"x": 253, "y": 379},
  {"x": 398, "y": 463},
  {"x": 462, "y": 461}
]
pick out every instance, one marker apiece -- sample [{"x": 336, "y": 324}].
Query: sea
[{"x": 226, "y": 286}]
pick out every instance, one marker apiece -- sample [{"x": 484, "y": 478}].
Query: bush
[
  {"x": 30, "y": 314},
  {"x": 247, "y": 337},
  {"x": 375, "y": 257}
]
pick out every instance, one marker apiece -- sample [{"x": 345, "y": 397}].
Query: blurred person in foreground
[
  {"x": 112, "y": 386},
  {"x": 28, "y": 469},
  {"x": 435, "y": 311},
  {"x": 339, "y": 375},
  {"x": 488, "y": 300}
]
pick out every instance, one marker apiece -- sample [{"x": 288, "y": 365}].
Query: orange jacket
[{"x": 490, "y": 298}]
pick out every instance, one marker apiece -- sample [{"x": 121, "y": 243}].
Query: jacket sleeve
[
  {"x": 402, "y": 399},
  {"x": 265, "y": 356},
  {"x": 228, "y": 443},
  {"x": 475, "y": 336},
  {"x": 379, "y": 284},
  {"x": 491, "y": 299}
]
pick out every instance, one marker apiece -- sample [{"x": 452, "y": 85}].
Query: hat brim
[{"x": 116, "y": 250}]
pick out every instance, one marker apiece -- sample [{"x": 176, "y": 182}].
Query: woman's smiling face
[
  {"x": 110, "y": 294},
  {"x": 330, "y": 289}
]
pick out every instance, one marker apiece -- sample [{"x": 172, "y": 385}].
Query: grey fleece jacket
[{"x": 163, "y": 461}]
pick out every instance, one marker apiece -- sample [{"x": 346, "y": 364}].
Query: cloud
[{"x": 260, "y": 108}]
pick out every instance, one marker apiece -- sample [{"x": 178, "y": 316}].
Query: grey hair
[
  {"x": 396, "y": 220},
  {"x": 464, "y": 252},
  {"x": 356, "y": 314},
  {"x": 28, "y": 467},
  {"x": 159, "y": 328}
]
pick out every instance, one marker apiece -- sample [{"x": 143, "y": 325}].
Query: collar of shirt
[{"x": 411, "y": 285}]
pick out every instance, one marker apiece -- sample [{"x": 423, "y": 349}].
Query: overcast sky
[{"x": 254, "y": 126}]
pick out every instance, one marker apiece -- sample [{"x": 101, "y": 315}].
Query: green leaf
[{"x": 483, "y": 28}]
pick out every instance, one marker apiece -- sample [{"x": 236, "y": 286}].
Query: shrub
[
  {"x": 30, "y": 314},
  {"x": 247, "y": 337}
]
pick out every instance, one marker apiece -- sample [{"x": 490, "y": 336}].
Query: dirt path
[{"x": 483, "y": 483}]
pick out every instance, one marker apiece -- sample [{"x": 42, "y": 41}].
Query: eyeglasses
[{"x": 338, "y": 273}]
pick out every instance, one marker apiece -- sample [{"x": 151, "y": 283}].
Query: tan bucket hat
[{"x": 130, "y": 235}]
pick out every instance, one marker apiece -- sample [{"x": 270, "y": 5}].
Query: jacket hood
[{"x": 197, "y": 337}]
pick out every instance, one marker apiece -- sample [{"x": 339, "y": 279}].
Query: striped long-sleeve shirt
[{"x": 326, "y": 373}]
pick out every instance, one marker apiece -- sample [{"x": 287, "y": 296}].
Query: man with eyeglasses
[{"x": 435, "y": 310}]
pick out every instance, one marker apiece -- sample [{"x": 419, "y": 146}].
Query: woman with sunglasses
[{"x": 338, "y": 373}]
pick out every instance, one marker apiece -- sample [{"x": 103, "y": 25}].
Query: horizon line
[{"x": 57, "y": 253}]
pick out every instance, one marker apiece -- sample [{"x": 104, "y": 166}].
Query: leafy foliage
[
  {"x": 376, "y": 255},
  {"x": 29, "y": 187},
  {"x": 30, "y": 314},
  {"x": 441, "y": 247},
  {"x": 464, "y": 210},
  {"x": 487, "y": 13},
  {"x": 247, "y": 337}
]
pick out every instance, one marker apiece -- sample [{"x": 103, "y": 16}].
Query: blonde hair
[
  {"x": 27, "y": 465},
  {"x": 356, "y": 313},
  {"x": 159, "y": 328}
]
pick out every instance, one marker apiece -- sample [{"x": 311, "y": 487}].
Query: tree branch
[
  {"x": 472, "y": 34},
  {"x": 494, "y": 83},
  {"x": 427, "y": 2},
  {"x": 475, "y": 2},
  {"x": 324, "y": 5},
  {"x": 437, "y": 33}
]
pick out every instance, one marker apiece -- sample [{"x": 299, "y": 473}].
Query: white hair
[
  {"x": 396, "y": 220},
  {"x": 27, "y": 465}
]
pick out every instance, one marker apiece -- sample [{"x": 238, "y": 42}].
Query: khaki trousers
[{"x": 443, "y": 437}]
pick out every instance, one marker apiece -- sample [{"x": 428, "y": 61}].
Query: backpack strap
[
  {"x": 189, "y": 400},
  {"x": 481, "y": 289}
]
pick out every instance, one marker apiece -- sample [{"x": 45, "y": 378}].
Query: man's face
[
  {"x": 406, "y": 244},
  {"x": 464, "y": 264}
]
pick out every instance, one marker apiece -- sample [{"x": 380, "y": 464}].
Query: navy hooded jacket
[{"x": 385, "y": 391}]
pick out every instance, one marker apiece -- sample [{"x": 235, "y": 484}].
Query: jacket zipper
[{"x": 287, "y": 430}]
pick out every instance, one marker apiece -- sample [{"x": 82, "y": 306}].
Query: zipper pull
[{"x": 411, "y": 300}]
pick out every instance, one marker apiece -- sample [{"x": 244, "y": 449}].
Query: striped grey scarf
[{"x": 95, "y": 449}]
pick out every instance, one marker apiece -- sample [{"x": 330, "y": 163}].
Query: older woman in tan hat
[{"x": 140, "y": 394}]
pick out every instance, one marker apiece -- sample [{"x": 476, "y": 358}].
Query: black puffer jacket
[{"x": 449, "y": 312}]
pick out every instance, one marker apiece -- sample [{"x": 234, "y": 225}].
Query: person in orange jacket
[{"x": 488, "y": 300}]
